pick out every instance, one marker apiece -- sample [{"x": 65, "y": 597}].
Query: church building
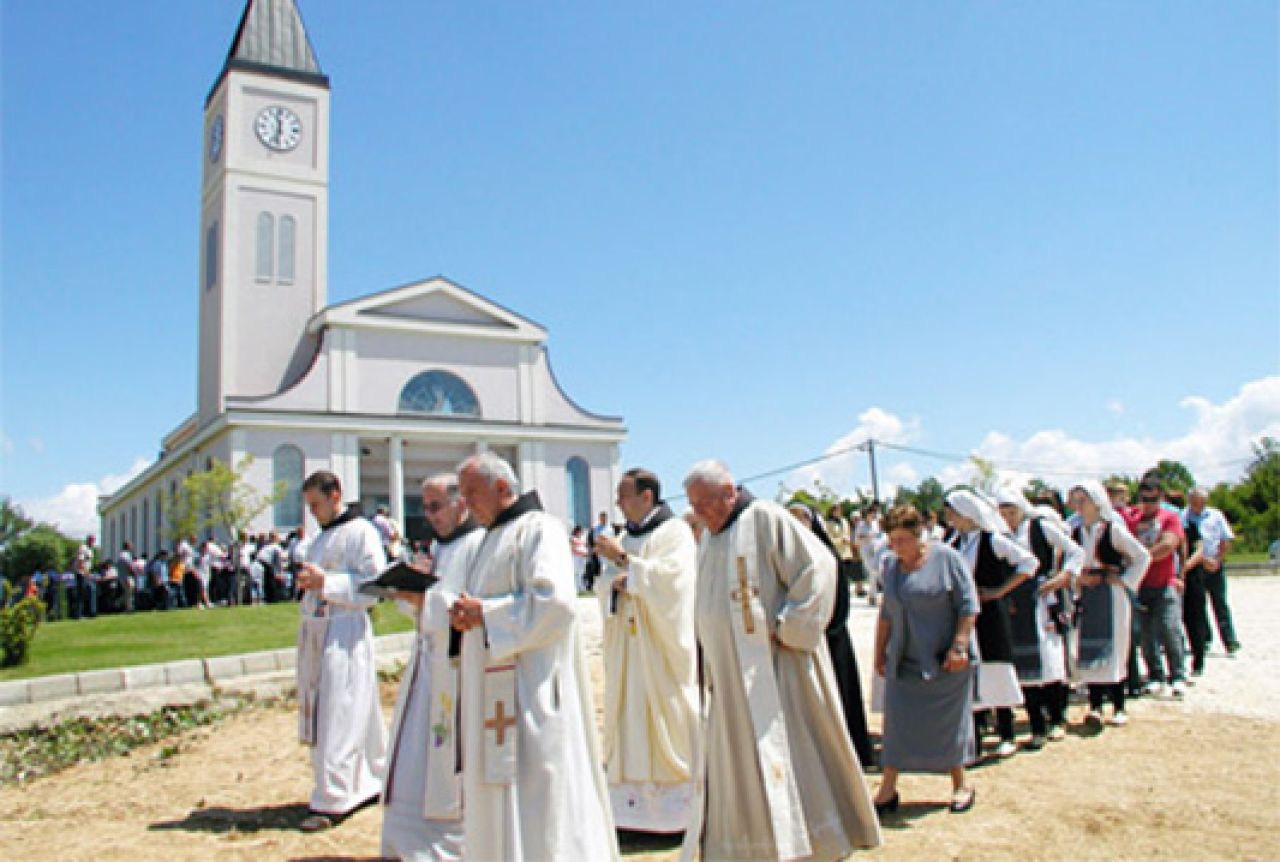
[{"x": 383, "y": 390}]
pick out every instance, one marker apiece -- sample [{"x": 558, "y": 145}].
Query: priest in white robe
[
  {"x": 532, "y": 779},
  {"x": 339, "y": 715},
  {"x": 651, "y": 690},
  {"x": 422, "y": 795},
  {"x": 776, "y": 775}
]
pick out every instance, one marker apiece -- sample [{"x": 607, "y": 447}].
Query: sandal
[{"x": 962, "y": 800}]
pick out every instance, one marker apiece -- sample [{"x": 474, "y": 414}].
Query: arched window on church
[
  {"x": 438, "y": 393},
  {"x": 286, "y": 467},
  {"x": 284, "y": 267},
  {"x": 211, "y": 256},
  {"x": 578, "y": 478},
  {"x": 265, "y": 265}
]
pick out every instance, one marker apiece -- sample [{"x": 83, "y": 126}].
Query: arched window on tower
[
  {"x": 578, "y": 479},
  {"x": 438, "y": 393},
  {"x": 284, "y": 256},
  {"x": 286, "y": 467},
  {"x": 265, "y": 265}
]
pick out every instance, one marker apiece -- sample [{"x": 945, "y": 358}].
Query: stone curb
[{"x": 213, "y": 672}]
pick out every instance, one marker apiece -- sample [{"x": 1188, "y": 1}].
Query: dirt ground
[{"x": 1182, "y": 781}]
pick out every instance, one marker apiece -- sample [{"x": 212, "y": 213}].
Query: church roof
[
  {"x": 272, "y": 39},
  {"x": 435, "y": 305}
]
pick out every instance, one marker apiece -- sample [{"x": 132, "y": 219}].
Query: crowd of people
[
  {"x": 253, "y": 570},
  {"x": 1020, "y": 603},
  {"x": 734, "y": 719}
]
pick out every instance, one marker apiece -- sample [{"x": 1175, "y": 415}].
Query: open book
[{"x": 398, "y": 577}]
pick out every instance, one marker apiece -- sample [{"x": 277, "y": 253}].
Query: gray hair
[
  {"x": 448, "y": 481},
  {"x": 708, "y": 472},
  {"x": 1198, "y": 491},
  {"x": 492, "y": 468}
]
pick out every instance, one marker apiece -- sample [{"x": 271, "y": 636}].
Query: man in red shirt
[{"x": 1158, "y": 609}]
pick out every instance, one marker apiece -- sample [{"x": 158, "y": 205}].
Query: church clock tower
[{"x": 264, "y": 209}]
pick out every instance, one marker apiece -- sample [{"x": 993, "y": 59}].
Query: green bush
[
  {"x": 17, "y": 629},
  {"x": 40, "y": 549}
]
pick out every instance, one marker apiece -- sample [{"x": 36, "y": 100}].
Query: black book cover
[{"x": 399, "y": 576}]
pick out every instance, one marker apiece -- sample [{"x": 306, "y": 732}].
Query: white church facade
[{"x": 383, "y": 390}]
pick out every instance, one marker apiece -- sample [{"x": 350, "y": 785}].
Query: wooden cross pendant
[
  {"x": 500, "y": 722},
  {"x": 743, "y": 594}
]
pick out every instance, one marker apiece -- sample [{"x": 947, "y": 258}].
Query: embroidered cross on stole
[{"x": 500, "y": 730}]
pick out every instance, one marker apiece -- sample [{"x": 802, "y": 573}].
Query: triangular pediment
[
  {"x": 435, "y": 305},
  {"x": 440, "y": 306}
]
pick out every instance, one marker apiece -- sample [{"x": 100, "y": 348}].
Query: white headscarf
[
  {"x": 979, "y": 509},
  {"x": 1051, "y": 514},
  {"x": 1010, "y": 496},
  {"x": 1098, "y": 495}
]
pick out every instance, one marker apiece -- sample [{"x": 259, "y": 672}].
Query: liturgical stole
[
  {"x": 752, "y": 642},
  {"x": 311, "y": 637}
]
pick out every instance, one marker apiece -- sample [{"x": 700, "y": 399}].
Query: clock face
[
  {"x": 278, "y": 128},
  {"x": 216, "y": 131}
]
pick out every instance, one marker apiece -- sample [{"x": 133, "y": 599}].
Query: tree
[
  {"x": 219, "y": 498},
  {"x": 39, "y": 549},
  {"x": 926, "y": 497},
  {"x": 1036, "y": 487},
  {"x": 985, "y": 476},
  {"x": 13, "y": 523},
  {"x": 1128, "y": 481},
  {"x": 1173, "y": 475}
]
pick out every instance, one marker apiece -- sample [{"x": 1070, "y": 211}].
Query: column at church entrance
[{"x": 416, "y": 459}]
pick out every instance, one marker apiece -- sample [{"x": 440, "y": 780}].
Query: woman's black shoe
[
  {"x": 889, "y": 806},
  {"x": 961, "y": 803}
]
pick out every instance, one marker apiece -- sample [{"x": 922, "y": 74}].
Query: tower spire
[{"x": 272, "y": 40}]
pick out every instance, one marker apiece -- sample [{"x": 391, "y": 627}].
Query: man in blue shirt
[{"x": 1208, "y": 526}]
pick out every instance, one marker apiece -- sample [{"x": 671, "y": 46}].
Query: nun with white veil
[
  {"x": 1114, "y": 564},
  {"x": 999, "y": 565},
  {"x": 1038, "y": 613}
]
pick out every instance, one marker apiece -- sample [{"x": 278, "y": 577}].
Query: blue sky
[{"x": 1046, "y": 232}]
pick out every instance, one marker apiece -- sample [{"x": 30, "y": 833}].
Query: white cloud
[
  {"x": 6, "y": 444},
  {"x": 842, "y": 472},
  {"x": 36, "y": 444},
  {"x": 74, "y": 509},
  {"x": 1116, "y": 406},
  {"x": 1216, "y": 446}
]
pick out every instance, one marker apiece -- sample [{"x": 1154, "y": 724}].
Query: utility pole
[{"x": 875, "y": 482}]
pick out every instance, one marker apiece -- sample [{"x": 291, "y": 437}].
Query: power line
[{"x": 868, "y": 445}]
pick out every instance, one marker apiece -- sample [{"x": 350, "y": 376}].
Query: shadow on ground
[{"x": 217, "y": 819}]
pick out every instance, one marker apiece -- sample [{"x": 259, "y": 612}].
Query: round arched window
[{"x": 438, "y": 393}]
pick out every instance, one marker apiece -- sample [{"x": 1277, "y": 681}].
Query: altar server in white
[
  {"x": 423, "y": 789},
  {"x": 776, "y": 776},
  {"x": 651, "y": 691},
  {"x": 337, "y": 676},
  {"x": 532, "y": 779}
]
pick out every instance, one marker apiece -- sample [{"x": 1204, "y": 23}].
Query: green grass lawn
[
  {"x": 120, "y": 640},
  {"x": 1246, "y": 557}
]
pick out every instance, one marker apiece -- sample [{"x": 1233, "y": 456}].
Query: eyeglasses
[
  {"x": 433, "y": 507},
  {"x": 1145, "y": 499}
]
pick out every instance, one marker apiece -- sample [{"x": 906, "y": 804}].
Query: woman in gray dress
[{"x": 923, "y": 651}]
